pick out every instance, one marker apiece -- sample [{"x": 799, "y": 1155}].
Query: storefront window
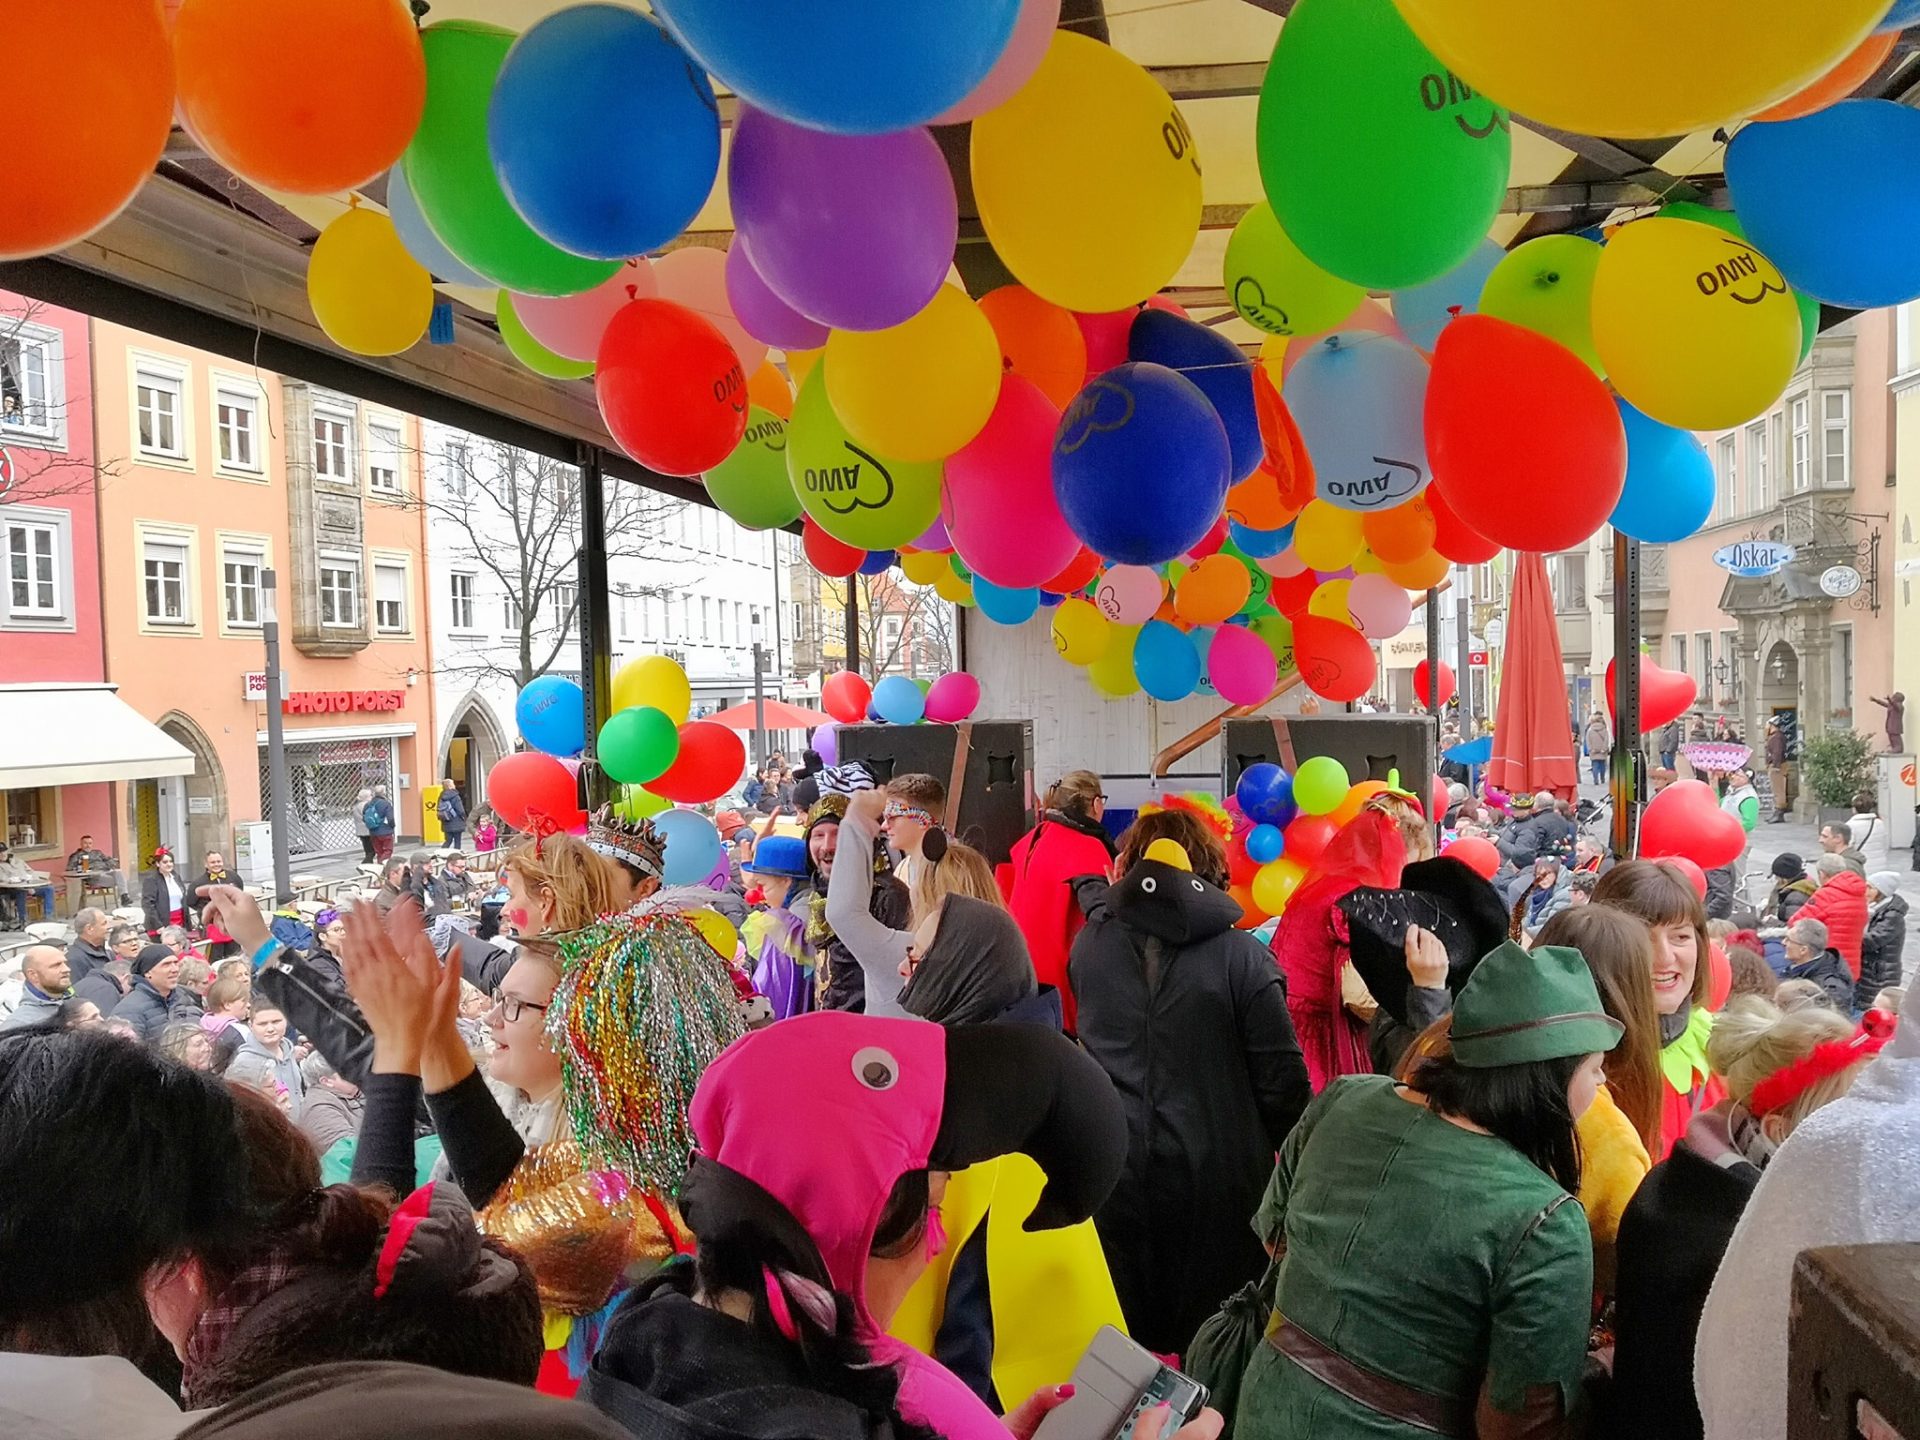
[{"x": 28, "y": 817}]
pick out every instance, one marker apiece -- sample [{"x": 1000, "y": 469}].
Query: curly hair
[{"x": 1206, "y": 851}]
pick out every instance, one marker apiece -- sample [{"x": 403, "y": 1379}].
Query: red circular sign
[{"x": 6, "y": 473}]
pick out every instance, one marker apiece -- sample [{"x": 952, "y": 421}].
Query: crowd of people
[{"x": 866, "y": 1134}]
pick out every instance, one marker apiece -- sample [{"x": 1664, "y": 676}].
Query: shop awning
[{"x": 78, "y": 735}]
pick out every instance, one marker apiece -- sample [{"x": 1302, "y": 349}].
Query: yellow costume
[{"x": 1613, "y": 1162}]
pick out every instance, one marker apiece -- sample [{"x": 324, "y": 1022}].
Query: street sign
[
  {"x": 1478, "y": 659},
  {"x": 254, "y": 684},
  {"x": 1840, "y": 581},
  {"x": 1752, "y": 559},
  {"x": 6, "y": 473}
]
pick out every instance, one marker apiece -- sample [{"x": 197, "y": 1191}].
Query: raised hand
[{"x": 1426, "y": 959}]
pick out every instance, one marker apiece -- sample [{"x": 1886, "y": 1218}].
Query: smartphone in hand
[{"x": 1115, "y": 1383}]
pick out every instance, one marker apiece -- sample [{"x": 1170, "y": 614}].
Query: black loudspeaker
[
  {"x": 1370, "y": 746},
  {"x": 995, "y": 799}
]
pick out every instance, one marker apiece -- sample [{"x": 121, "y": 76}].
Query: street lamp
[
  {"x": 279, "y": 796},
  {"x": 759, "y": 692}
]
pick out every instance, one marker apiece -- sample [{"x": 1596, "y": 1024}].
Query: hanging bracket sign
[
  {"x": 1753, "y": 559},
  {"x": 1840, "y": 581}
]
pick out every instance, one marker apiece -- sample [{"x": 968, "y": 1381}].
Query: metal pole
[
  {"x": 279, "y": 795},
  {"x": 759, "y": 698},
  {"x": 1463, "y": 621},
  {"x": 1433, "y": 698},
  {"x": 853, "y": 623},
  {"x": 596, "y": 624},
  {"x": 1629, "y": 778}
]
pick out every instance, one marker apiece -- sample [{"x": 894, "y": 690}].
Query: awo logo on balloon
[
  {"x": 1744, "y": 262},
  {"x": 843, "y": 489},
  {"x": 1447, "y": 91}
]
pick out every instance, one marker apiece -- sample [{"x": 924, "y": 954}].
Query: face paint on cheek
[{"x": 517, "y": 917}]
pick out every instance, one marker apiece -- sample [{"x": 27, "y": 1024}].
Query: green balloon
[
  {"x": 638, "y": 804},
  {"x": 1546, "y": 286},
  {"x": 529, "y": 351},
  {"x": 1728, "y": 221},
  {"x": 925, "y": 685},
  {"x": 1385, "y": 168},
  {"x": 451, "y": 172},
  {"x": 1320, "y": 784},
  {"x": 1276, "y": 288},
  {"x": 752, "y": 484},
  {"x": 637, "y": 745},
  {"x": 1277, "y": 632},
  {"x": 857, "y": 497}
]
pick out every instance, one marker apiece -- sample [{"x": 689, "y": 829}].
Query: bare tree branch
[
  {"x": 917, "y": 643},
  {"x": 34, "y": 412}
]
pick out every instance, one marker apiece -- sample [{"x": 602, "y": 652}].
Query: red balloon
[
  {"x": 1685, "y": 820},
  {"x": 1210, "y": 543},
  {"x": 1664, "y": 694},
  {"x": 1525, "y": 441},
  {"x": 530, "y": 784},
  {"x": 1106, "y": 337},
  {"x": 1420, "y": 682},
  {"x": 1479, "y": 855},
  {"x": 833, "y": 558},
  {"x": 1439, "y": 799},
  {"x": 1241, "y": 867},
  {"x": 1077, "y": 575},
  {"x": 1292, "y": 593},
  {"x": 1306, "y": 836},
  {"x": 1453, "y": 537},
  {"x": 671, "y": 388},
  {"x": 711, "y": 761},
  {"x": 1719, "y": 974},
  {"x": 999, "y": 505},
  {"x": 1335, "y": 660},
  {"x": 1690, "y": 872},
  {"x": 845, "y": 695},
  {"x": 1168, "y": 304}
]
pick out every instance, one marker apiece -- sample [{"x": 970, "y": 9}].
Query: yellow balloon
[
  {"x": 1275, "y": 882},
  {"x": 924, "y": 567},
  {"x": 1695, "y": 326},
  {"x": 1088, "y": 180},
  {"x": 1080, "y": 632},
  {"x": 953, "y": 588},
  {"x": 1329, "y": 599},
  {"x": 1327, "y": 537},
  {"x": 921, "y": 389},
  {"x": 1567, "y": 70},
  {"x": 1273, "y": 351},
  {"x": 717, "y": 931},
  {"x": 367, "y": 292},
  {"x": 1368, "y": 563},
  {"x": 657, "y": 681},
  {"x": 1112, "y": 674}
]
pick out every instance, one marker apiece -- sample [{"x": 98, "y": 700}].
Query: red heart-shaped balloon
[
  {"x": 1664, "y": 695},
  {"x": 1684, "y": 819}
]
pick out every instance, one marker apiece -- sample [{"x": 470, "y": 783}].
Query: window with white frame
[
  {"x": 333, "y": 445},
  {"x": 1904, "y": 317},
  {"x": 649, "y": 617},
  {"x": 1842, "y": 676},
  {"x": 1836, "y": 437},
  {"x": 1726, "y": 474},
  {"x": 390, "y": 597},
  {"x": 1703, "y": 644},
  {"x": 34, "y": 554},
  {"x": 1729, "y": 652},
  {"x": 740, "y": 636},
  {"x": 240, "y": 567},
  {"x": 706, "y": 618},
  {"x": 626, "y": 616},
  {"x": 339, "y": 589},
  {"x": 1680, "y": 654},
  {"x": 1567, "y": 579},
  {"x": 163, "y": 566},
  {"x": 510, "y": 614},
  {"x": 1758, "y": 480},
  {"x": 158, "y": 405},
  {"x": 460, "y": 592},
  {"x": 236, "y": 427},
  {"x": 1799, "y": 414},
  {"x": 30, "y": 382},
  {"x": 456, "y": 472},
  {"x": 565, "y": 594},
  {"x": 383, "y": 459},
  {"x": 686, "y": 619}
]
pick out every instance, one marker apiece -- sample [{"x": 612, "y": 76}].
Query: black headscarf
[{"x": 976, "y": 968}]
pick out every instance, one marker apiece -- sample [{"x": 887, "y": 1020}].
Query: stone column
[{"x": 1746, "y": 661}]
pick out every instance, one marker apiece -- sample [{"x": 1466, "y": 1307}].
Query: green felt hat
[{"x": 1525, "y": 1005}]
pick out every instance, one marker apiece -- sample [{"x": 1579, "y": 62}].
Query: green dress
[{"x": 1434, "y": 1256}]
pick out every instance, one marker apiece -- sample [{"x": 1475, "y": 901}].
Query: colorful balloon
[
  {"x": 921, "y": 389},
  {"x": 1838, "y": 83},
  {"x": 1275, "y": 884},
  {"x": 1129, "y": 594},
  {"x": 952, "y": 698},
  {"x": 654, "y": 682},
  {"x": 692, "y": 846},
  {"x": 1265, "y": 793},
  {"x": 1005, "y": 605},
  {"x": 1277, "y": 289},
  {"x": 1213, "y": 363},
  {"x": 637, "y": 745},
  {"x": 1320, "y": 783},
  {"x": 1726, "y": 220},
  {"x": 1453, "y": 537},
  {"x": 1329, "y": 601},
  {"x": 367, "y": 292},
  {"x": 845, "y": 695},
  {"x": 1265, "y": 844},
  {"x": 529, "y": 786},
  {"x": 761, "y": 312},
  {"x": 551, "y": 712},
  {"x": 1039, "y": 341},
  {"x": 1335, "y": 660},
  {"x": 1357, "y": 399},
  {"x": 1448, "y": 686},
  {"x": 1669, "y": 487},
  {"x": 1212, "y": 591},
  {"x": 837, "y": 559},
  {"x": 752, "y": 484},
  {"x": 526, "y": 349},
  {"x": 1327, "y": 537},
  {"x": 1080, "y": 632},
  {"x": 1403, "y": 533},
  {"x": 420, "y": 240},
  {"x": 858, "y": 497},
  {"x": 768, "y": 388},
  {"x": 670, "y": 387},
  {"x": 1105, "y": 336},
  {"x": 1026, "y": 48},
  {"x": 1000, "y": 508},
  {"x": 696, "y": 276},
  {"x": 1546, "y": 285},
  {"x": 1112, "y": 674},
  {"x": 710, "y": 762},
  {"x": 1477, "y": 854},
  {"x": 1241, "y": 666},
  {"x": 572, "y": 326},
  {"x": 1423, "y": 310},
  {"x": 899, "y": 701},
  {"x": 1164, "y": 662},
  {"x": 1379, "y": 607}
]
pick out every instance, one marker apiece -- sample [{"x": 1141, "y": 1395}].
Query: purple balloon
[
  {"x": 826, "y": 742},
  {"x": 936, "y": 537},
  {"x": 761, "y": 313},
  {"x": 852, "y": 231}
]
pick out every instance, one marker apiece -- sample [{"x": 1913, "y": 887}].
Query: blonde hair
[
  {"x": 1753, "y": 1039},
  {"x": 582, "y": 884},
  {"x": 1720, "y": 929},
  {"x": 1074, "y": 793},
  {"x": 195, "y": 973},
  {"x": 963, "y": 870},
  {"x": 1795, "y": 995},
  {"x": 1415, "y": 829}
]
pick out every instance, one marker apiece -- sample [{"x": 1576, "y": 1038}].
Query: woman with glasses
[{"x": 1070, "y": 841}]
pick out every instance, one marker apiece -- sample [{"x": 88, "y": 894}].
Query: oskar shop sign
[{"x": 1752, "y": 559}]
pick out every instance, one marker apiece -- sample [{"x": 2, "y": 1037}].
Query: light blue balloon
[
  {"x": 1358, "y": 399},
  {"x": 1423, "y": 311},
  {"x": 1005, "y": 605},
  {"x": 552, "y": 714},
  {"x": 692, "y": 846},
  {"x": 1259, "y": 544},
  {"x": 1903, "y": 14},
  {"x": 1164, "y": 661},
  {"x": 1833, "y": 200},
  {"x": 419, "y": 238},
  {"x": 898, "y": 701},
  {"x": 1265, "y": 844},
  {"x": 1669, "y": 489},
  {"x": 1201, "y": 638}
]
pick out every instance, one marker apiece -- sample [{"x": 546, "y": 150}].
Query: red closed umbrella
[{"x": 1532, "y": 736}]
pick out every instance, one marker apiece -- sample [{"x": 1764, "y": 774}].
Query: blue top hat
[{"x": 779, "y": 855}]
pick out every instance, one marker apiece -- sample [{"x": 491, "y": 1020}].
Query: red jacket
[
  {"x": 1841, "y": 905},
  {"x": 1037, "y": 884}
]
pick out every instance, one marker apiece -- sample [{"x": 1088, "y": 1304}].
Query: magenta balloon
[
  {"x": 761, "y": 313},
  {"x": 952, "y": 698},
  {"x": 1032, "y": 33},
  {"x": 1000, "y": 507},
  {"x": 934, "y": 537},
  {"x": 1241, "y": 666},
  {"x": 854, "y": 231}
]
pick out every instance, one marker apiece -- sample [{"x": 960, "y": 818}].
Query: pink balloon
[
  {"x": 1106, "y": 337},
  {"x": 952, "y": 698},
  {"x": 1129, "y": 594},
  {"x": 571, "y": 325},
  {"x": 1168, "y": 304},
  {"x": 1283, "y": 566},
  {"x": 999, "y": 504},
  {"x": 1241, "y": 666},
  {"x": 1369, "y": 315},
  {"x": 696, "y": 277},
  {"x": 1379, "y": 607},
  {"x": 1032, "y": 32},
  {"x": 762, "y": 313}
]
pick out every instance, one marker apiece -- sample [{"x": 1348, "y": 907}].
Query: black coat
[
  {"x": 83, "y": 959},
  {"x": 150, "y": 1012},
  {"x": 100, "y": 988},
  {"x": 153, "y": 900},
  {"x": 1189, "y": 1018},
  {"x": 1880, "y": 950},
  {"x": 1548, "y": 833},
  {"x": 1830, "y": 972}
]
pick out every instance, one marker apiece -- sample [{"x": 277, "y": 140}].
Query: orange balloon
[
  {"x": 1212, "y": 591},
  {"x": 1039, "y": 340},
  {"x": 90, "y": 96},
  {"x": 768, "y": 389},
  {"x": 1255, "y": 502},
  {"x": 1251, "y": 916},
  {"x": 1421, "y": 573},
  {"x": 1838, "y": 83},
  {"x": 1401, "y": 534},
  {"x": 1357, "y": 797}
]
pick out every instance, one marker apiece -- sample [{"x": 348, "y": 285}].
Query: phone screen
[{"x": 1182, "y": 1396}]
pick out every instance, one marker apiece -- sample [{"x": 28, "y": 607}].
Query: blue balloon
[
  {"x": 856, "y": 67},
  {"x": 1164, "y": 661},
  {"x": 604, "y": 135},
  {"x": 1259, "y": 544},
  {"x": 418, "y": 236},
  {"x": 1903, "y": 14},
  {"x": 1216, "y": 365},
  {"x": 1048, "y": 599},
  {"x": 1201, "y": 637},
  {"x": 1265, "y": 793},
  {"x": 899, "y": 701},
  {"x": 1005, "y": 605},
  {"x": 878, "y": 562},
  {"x": 1141, "y": 464},
  {"x": 552, "y": 713},
  {"x": 1669, "y": 489},
  {"x": 1422, "y": 312},
  {"x": 1265, "y": 844},
  {"x": 692, "y": 846},
  {"x": 1833, "y": 200},
  {"x": 1358, "y": 399}
]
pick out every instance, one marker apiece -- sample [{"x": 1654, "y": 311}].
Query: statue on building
[{"x": 1896, "y": 707}]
